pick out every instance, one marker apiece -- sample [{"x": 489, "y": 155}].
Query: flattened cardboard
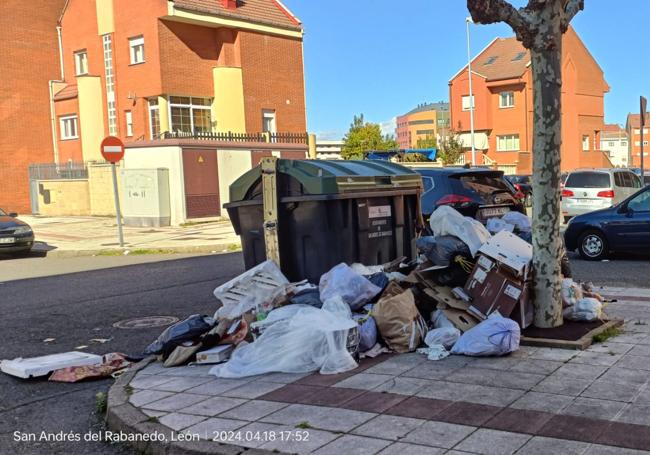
[
  {"x": 462, "y": 320},
  {"x": 445, "y": 298},
  {"x": 493, "y": 289},
  {"x": 508, "y": 249}
]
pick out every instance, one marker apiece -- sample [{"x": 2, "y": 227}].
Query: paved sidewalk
[
  {"x": 80, "y": 236},
  {"x": 535, "y": 401}
]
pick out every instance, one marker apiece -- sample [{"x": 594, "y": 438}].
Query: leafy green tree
[
  {"x": 364, "y": 136},
  {"x": 428, "y": 142},
  {"x": 450, "y": 149}
]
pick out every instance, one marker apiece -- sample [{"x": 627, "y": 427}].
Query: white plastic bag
[
  {"x": 446, "y": 220},
  {"x": 440, "y": 321},
  {"x": 445, "y": 336},
  {"x": 518, "y": 220},
  {"x": 585, "y": 309},
  {"x": 495, "y": 225},
  {"x": 571, "y": 292},
  {"x": 494, "y": 336},
  {"x": 435, "y": 352},
  {"x": 354, "y": 289},
  {"x": 311, "y": 339}
]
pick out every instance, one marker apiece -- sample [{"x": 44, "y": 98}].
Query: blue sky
[{"x": 383, "y": 57}]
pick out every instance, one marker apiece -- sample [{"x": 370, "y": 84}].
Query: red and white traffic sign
[{"x": 112, "y": 149}]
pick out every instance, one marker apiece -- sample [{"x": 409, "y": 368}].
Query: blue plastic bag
[{"x": 493, "y": 337}]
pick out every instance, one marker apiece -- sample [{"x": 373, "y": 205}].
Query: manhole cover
[{"x": 146, "y": 322}]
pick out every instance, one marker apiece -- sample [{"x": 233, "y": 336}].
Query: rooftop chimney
[{"x": 230, "y": 4}]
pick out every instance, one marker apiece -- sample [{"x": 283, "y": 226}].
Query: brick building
[
  {"x": 425, "y": 121},
  {"x": 503, "y": 105},
  {"x": 633, "y": 129},
  {"x": 28, "y": 46},
  {"x": 185, "y": 67}
]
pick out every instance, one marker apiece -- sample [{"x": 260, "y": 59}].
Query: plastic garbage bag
[
  {"x": 309, "y": 297},
  {"x": 446, "y": 220},
  {"x": 445, "y": 336},
  {"x": 311, "y": 339},
  {"x": 493, "y": 337},
  {"x": 571, "y": 292},
  {"x": 520, "y": 221},
  {"x": 440, "y": 320},
  {"x": 585, "y": 309},
  {"x": 399, "y": 321},
  {"x": 495, "y": 225},
  {"x": 442, "y": 249},
  {"x": 379, "y": 279},
  {"x": 354, "y": 289},
  {"x": 435, "y": 352},
  {"x": 367, "y": 331},
  {"x": 187, "y": 330}
]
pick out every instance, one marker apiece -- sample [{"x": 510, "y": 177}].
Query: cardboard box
[{"x": 217, "y": 354}]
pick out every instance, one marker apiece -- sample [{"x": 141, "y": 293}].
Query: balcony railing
[{"x": 273, "y": 138}]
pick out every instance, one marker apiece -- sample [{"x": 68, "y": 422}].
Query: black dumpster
[{"x": 329, "y": 212}]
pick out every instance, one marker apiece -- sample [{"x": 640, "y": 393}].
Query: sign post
[
  {"x": 112, "y": 150},
  {"x": 642, "y": 125}
]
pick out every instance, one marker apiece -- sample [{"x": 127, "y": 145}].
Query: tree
[
  {"x": 540, "y": 26},
  {"x": 428, "y": 142},
  {"x": 363, "y": 137},
  {"x": 450, "y": 149}
]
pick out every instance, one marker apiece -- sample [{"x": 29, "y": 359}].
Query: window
[
  {"x": 190, "y": 115},
  {"x": 638, "y": 144},
  {"x": 619, "y": 180},
  {"x": 81, "y": 62},
  {"x": 588, "y": 179},
  {"x": 268, "y": 121},
  {"x": 519, "y": 56},
  {"x": 641, "y": 203},
  {"x": 68, "y": 127},
  {"x": 128, "y": 116},
  {"x": 506, "y": 99},
  {"x": 427, "y": 132},
  {"x": 508, "y": 143},
  {"x": 466, "y": 103},
  {"x": 154, "y": 118},
  {"x": 611, "y": 144},
  {"x": 624, "y": 143},
  {"x": 490, "y": 60},
  {"x": 110, "y": 84},
  {"x": 421, "y": 122},
  {"x": 585, "y": 143},
  {"x": 136, "y": 46}
]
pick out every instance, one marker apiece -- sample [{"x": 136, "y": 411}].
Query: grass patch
[
  {"x": 136, "y": 252},
  {"x": 232, "y": 247},
  {"x": 304, "y": 425},
  {"x": 101, "y": 401},
  {"x": 153, "y": 419},
  {"x": 607, "y": 334},
  {"x": 128, "y": 389}
]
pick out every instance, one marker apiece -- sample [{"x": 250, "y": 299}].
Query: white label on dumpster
[
  {"x": 512, "y": 291},
  {"x": 379, "y": 211},
  {"x": 484, "y": 262},
  {"x": 480, "y": 275}
]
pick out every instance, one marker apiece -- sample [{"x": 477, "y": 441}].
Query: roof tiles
[{"x": 261, "y": 11}]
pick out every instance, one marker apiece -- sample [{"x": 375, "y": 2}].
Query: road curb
[
  {"x": 119, "y": 251},
  {"x": 122, "y": 416}
]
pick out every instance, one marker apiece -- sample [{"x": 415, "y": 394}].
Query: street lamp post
[{"x": 468, "y": 20}]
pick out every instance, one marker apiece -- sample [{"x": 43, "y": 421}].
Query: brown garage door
[{"x": 201, "y": 183}]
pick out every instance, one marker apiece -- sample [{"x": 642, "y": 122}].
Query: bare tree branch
[
  {"x": 571, "y": 8},
  {"x": 492, "y": 11}
]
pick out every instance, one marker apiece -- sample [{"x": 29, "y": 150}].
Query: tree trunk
[{"x": 546, "y": 57}]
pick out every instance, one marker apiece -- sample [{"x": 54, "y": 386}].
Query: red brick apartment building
[
  {"x": 153, "y": 70},
  {"x": 503, "y": 105},
  {"x": 633, "y": 128}
]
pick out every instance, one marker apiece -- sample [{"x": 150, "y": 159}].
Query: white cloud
[
  {"x": 388, "y": 126},
  {"x": 329, "y": 135}
]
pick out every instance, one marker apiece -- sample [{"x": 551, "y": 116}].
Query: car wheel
[{"x": 592, "y": 246}]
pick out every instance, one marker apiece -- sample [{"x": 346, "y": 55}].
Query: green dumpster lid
[{"x": 333, "y": 176}]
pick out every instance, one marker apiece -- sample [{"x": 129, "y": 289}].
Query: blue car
[{"x": 624, "y": 227}]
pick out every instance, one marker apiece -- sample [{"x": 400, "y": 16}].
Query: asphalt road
[{"x": 73, "y": 308}]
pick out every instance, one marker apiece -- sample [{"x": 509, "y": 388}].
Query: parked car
[
  {"x": 586, "y": 190},
  {"x": 480, "y": 193},
  {"x": 646, "y": 179},
  {"x": 15, "y": 235},
  {"x": 625, "y": 227},
  {"x": 524, "y": 184}
]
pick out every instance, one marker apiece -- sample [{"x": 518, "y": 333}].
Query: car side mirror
[{"x": 13, "y": 214}]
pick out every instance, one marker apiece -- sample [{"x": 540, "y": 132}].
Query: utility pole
[
  {"x": 468, "y": 20},
  {"x": 642, "y": 125}
]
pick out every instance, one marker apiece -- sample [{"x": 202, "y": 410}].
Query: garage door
[{"x": 201, "y": 183}]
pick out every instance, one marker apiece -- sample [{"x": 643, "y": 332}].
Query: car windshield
[
  {"x": 588, "y": 180},
  {"x": 485, "y": 184}
]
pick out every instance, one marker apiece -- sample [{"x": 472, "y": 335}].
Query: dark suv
[
  {"x": 480, "y": 193},
  {"x": 524, "y": 184}
]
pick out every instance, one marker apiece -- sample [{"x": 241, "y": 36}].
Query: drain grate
[{"x": 146, "y": 322}]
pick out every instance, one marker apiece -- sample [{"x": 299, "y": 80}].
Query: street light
[{"x": 468, "y": 20}]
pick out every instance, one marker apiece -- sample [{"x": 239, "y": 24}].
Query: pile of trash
[{"x": 466, "y": 294}]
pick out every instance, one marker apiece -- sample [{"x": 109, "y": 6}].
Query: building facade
[
  {"x": 614, "y": 140},
  {"x": 503, "y": 105},
  {"x": 28, "y": 45},
  {"x": 633, "y": 129},
  {"x": 153, "y": 69},
  {"x": 429, "y": 120},
  {"x": 329, "y": 149}
]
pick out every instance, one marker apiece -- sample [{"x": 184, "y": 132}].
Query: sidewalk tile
[
  {"x": 331, "y": 396},
  {"x": 596, "y": 358},
  {"x": 537, "y": 401},
  {"x": 365, "y": 381},
  {"x": 471, "y": 375},
  {"x": 144, "y": 397},
  {"x": 284, "y": 378},
  {"x": 630, "y": 338},
  {"x": 216, "y": 386},
  {"x": 213, "y": 406},
  {"x": 189, "y": 371},
  {"x": 152, "y": 413},
  {"x": 540, "y": 445},
  {"x": 468, "y": 413},
  {"x": 558, "y": 355},
  {"x": 148, "y": 381},
  {"x": 215, "y": 428},
  {"x": 519, "y": 420},
  {"x": 611, "y": 391},
  {"x": 496, "y": 363},
  {"x": 323, "y": 380},
  {"x": 292, "y": 393},
  {"x": 253, "y": 410},
  {"x": 404, "y": 386},
  {"x": 573, "y": 428},
  {"x": 319, "y": 417},
  {"x": 316, "y": 440},
  {"x": 181, "y": 384},
  {"x": 610, "y": 347},
  {"x": 177, "y": 421},
  {"x": 419, "y": 408},
  {"x": 516, "y": 380},
  {"x": 579, "y": 371},
  {"x": 536, "y": 366},
  {"x": 175, "y": 402},
  {"x": 431, "y": 370},
  {"x": 598, "y": 449},
  {"x": 636, "y": 413},
  {"x": 634, "y": 362},
  {"x": 377, "y": 402},
  {"x": 562, "y": 385},
  {"x": 494, "y": 396},
  {"x": 353, "y": 445},
  {"x": 594, "y": 408},
  {"x": 391, "y": 367},
  {"x": 620, "y": 375},
  {"x": 626, "y": 435},
  {"x": 439, "y": 434},
  {"x": 256, "y": 434},
  {"x": 402, "y": 448},
  {"x": 253, "y": 389},
  {"x": 492, "y": 442},
  {"x": 388, "y": 427},
  {"x": 640, "y": 350}
]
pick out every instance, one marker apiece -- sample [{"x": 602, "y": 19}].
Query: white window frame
[
  {"x": 128, "y": 119},
  {"x": 269, "y": 114},
  {"x": 192, "y": 108},
  {"x": 585, "y": 143},
  {"x": 81, "y": 62},
  {"x": 153, "y": 107},
  {"x": 510, "y": 143},
  {"x": 465, "y": 102},
  {"x": 65, "y": 131},
  {"x": 510, "y": 95},
  {"x": 136, "y": 50}
]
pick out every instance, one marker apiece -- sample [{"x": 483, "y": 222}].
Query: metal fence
[
  {"x": 274, "y": 138},
  {"x": 71, "y": 170}
]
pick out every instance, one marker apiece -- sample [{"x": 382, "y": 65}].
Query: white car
[{"x": 586, "y": 190}]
